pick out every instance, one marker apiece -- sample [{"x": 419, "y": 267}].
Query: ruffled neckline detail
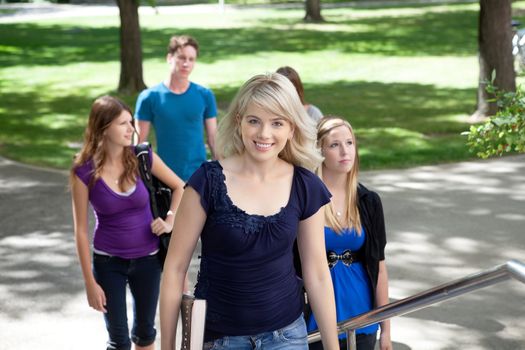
[{"x": 238, "y": 217}]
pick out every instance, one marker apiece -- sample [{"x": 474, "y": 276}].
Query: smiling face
[
  {"x": 339, "y": 151},
  {"x": 182, "y": 61},
  {"x": 264, "y": 134},
  {"x": 120, "y": 131}
]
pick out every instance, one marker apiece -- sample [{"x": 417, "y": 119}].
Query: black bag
[{"x": 159, "y": 194}]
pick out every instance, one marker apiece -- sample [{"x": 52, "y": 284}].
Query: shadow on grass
[
  {"x": 428, "y": 34},
  {"x": 37, "y": 128},
  {"x": 398, "y": 124},
  {"x": 436, "y": 34},
  {"x": 403, "y": 124},
  {"x": 422, "y": 108},
  {"x": 295, "y": 4}
]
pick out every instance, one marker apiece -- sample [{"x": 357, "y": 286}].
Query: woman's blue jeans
[
  {"x": 143, "y": 277},
  {"x": 291, "y": 337},
  {"x": 363, "y": 342}
]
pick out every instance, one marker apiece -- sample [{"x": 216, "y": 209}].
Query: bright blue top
[
  {"x": 351, "y": 283},
  {"x": 178, "y": 120},
  {"x": 247, "y": 273}
]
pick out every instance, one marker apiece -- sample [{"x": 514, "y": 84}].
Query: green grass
[
  {"x": 6, "y": 11},
  {"x": 404, "y": 76}
]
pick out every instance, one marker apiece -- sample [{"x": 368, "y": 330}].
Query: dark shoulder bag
[{"x": 159, "y": 194}]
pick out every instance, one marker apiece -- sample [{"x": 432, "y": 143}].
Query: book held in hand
[{"x": 193, "y": 316}]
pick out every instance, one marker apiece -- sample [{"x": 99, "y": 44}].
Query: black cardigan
[{"x": 373, "y": 221}]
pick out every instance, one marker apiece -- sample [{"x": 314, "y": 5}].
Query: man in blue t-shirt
[{"x": 180, "y": 111}]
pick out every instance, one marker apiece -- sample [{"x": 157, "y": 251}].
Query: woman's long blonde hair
[
  {"x": 104, "y": 110},
  {"x": 351, "y": 213},
  {"x": 275, "y": 94}
]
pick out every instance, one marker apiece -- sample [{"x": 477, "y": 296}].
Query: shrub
[{"x": 503, "y": 132}]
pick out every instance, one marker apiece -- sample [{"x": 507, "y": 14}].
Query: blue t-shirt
[
  {"x": 178, "y": 120},
  {"x": 351, "y": 283},
  {"x": 247, "y": 273},
  {"x": 122, "y": 222}
]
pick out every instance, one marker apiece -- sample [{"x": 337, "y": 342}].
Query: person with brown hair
[
  {"x": 354, "y": 234},
  {"x": 180, "y": 111},
  {"x": 125, "y": 238},
  {"x": 314, "y": 112}
]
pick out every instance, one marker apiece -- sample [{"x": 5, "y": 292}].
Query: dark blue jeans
[
  {"x": 363, "y": 342},
  {"x": 143, "y": 276}
]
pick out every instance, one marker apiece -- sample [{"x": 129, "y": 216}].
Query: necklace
[{"x": 338, "y": 213}]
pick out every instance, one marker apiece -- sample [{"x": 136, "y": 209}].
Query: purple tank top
[{"x": 122, "y": 222}]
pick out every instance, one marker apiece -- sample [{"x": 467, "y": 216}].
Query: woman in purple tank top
[
  {"x": 248, "y": 209},
  {"x": 125, "y": 239}
]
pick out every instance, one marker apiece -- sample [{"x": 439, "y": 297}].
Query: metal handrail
[{"x": 511, "y": 269}]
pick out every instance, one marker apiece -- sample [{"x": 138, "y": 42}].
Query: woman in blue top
[
  {"x": 105, "y": 174},
  {"x": 354, "y": 235},
  {"x": 248, "y": 209}
]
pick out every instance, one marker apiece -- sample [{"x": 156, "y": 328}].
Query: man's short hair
[{"x": 181, "y": 41}]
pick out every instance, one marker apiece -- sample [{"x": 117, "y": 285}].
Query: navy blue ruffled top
[{"x": 246, "y": 273}]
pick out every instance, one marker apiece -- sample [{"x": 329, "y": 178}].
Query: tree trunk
[
  {"x": 495, "y": 53},
  {"x": 131, "y": 80},
  {"x": 313, "y": 11}
]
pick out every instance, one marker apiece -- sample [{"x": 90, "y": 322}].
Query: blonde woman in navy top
[
  {"x": 125, "y": 238},
  {"x": 354, "y": 235},
  {"x": 248, "y": 209}
]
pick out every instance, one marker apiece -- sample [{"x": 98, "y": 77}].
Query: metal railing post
[{"x": 350, "y": 340}]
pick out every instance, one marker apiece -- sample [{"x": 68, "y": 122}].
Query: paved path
[{"x": 443, "y": 222}]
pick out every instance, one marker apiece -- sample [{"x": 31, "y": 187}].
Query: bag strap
[{"x": 142, "y": 151}]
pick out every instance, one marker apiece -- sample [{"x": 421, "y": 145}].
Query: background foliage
[{"x": 504, "y": 132}]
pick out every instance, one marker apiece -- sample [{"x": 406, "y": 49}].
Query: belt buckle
[
  {"x": 347, "y": 258},
  {"x": 332, "y": 258}
]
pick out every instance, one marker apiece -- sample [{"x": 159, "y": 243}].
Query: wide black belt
[{"x": 347, "y": 257}]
